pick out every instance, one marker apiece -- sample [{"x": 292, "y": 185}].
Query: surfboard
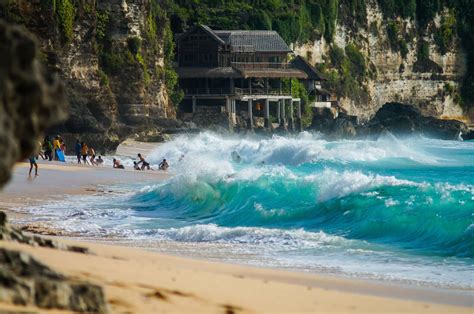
[{"x": 60, "y": 155}]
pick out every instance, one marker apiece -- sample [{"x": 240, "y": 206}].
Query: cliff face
[
  {"x": 111, "y": 59},
  {"x": 431, "y": 85}
]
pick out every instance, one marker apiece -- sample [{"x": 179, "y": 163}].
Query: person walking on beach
[
  {"x": 143, "y": 162},
  {"x": 48, "y": 148},
  {"x": 78, "y": 148},
  {"x": 33, "y": 164},
  {"x": 92, "y": 156},
  {"x": 100, "y": 161},
  {"x": 163, "y": 165},
  {"x": 84, "y": 153},
  {"x": 40, "y": 149},
  {"x": 117, "y": 164},
  {"x": 135, "y": 166}
]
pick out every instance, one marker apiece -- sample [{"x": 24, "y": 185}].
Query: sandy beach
[{"x": 140, "y": 281}]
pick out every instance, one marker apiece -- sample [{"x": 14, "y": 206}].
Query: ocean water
[{"x": 391, "y": 209}]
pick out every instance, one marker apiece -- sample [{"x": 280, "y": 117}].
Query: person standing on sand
[
  {"x": 48, "y": 148},
  {"x": 63, "y": 146},
  {"x": 78, "y": 149},
  {"x": 33, "y": 164},
  {"x": 40, "y": 149},
  {"x": 143, "y": 162},
  {"x": 100, "y": 161},
  {"x": 56, "y": 146},
  {"x": 84, "y": 152},
  {"x": 92, "y": 156}
]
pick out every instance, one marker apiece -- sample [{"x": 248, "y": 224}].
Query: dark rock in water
[
  {"x": 30, "y": 101},
  {"x": 469, "y": 136},
  {"x": 334, "y": 125},
  {"x": 26, "y": 281},
  {"x": 401, "y": 119},
  {"x": 398, "y": 119}
]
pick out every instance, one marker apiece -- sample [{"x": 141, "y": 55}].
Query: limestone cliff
[
  {"x": 110, "y": 56},
  {"x": 398, "y": 75}
]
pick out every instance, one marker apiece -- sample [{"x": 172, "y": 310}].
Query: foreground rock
[
  {"x": 26, "y": 281},
  {"x": 30, "y": 100},
  {"x": 395, "y": 118},
  {"x": 9, "y": 233}
]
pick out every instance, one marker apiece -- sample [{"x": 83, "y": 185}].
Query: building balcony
[
  {"x": 259, "y": 65},
  {"x": 236, "y": 91}
]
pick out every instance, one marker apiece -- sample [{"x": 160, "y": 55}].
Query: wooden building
[{"x": 238, "y": 71}]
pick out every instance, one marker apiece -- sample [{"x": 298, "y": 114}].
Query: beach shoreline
[{"x": 332, "y": 292}]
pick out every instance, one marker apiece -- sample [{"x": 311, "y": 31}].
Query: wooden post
[
  {"x": 291, "y": 121},
  {"x": 228, "y": 108},
  {"x": 283, "y": 115},
  {"x": 299, "y": 123},
  {"x": 250, "y": 122},
  {"x": 267, "y": 124},
  {"x": 279, "y": 111},
  {"x": 266, "y": 86},
  {"x": 250, "y": 85}
]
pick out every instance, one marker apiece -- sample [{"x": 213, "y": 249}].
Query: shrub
[{"x": 65, "y": 15}]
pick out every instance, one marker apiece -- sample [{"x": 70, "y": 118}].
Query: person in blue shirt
[{"x": 78, "y": 148}]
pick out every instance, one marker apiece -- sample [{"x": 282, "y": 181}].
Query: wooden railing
[
  {"x": 257, "y": 91},
  {"x": 259, "y": 65}
]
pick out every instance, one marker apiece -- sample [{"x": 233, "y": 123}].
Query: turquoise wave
[{"x": 425, "y": 218}]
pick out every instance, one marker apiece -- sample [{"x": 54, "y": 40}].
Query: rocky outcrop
[
  {"x": 110, "y": 56},
  {"x": 431, "y": 85},
  {"x": 26, "y": 281},
  {"x": 31, "y": 100},
  {"x": 400, "y": 119},
  {"x": 395, "y": 118}
]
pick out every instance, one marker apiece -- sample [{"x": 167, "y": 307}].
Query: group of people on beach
[
  {"x": 141, "y": 164},
  {"x": 87, "y": 154},
  {"x": 55, "y": 149},
  {"x": 49, "y": 149}
]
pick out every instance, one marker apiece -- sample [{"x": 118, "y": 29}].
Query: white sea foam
[{"x": 304, "y": 148}]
